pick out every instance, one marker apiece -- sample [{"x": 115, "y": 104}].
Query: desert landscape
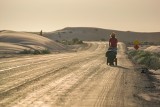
[
  {"x": 79, "y": 53},
  {"x": 75, "y": 75}
]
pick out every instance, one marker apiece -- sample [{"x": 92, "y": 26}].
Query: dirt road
[{"x": 78, "y": 79}]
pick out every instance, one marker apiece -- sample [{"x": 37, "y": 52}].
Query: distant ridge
[{"x": 96, "y": 34}]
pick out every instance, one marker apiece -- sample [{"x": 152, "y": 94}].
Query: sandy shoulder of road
[{"x": 149, "y": 88}]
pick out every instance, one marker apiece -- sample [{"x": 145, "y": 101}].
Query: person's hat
[{"x": 113, "y": 34}]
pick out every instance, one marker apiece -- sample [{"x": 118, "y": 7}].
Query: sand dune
[
  {"x": 11, "y": 41},
  {"x": 10, "y": 48},
  {"x": 155, "y": 49}
]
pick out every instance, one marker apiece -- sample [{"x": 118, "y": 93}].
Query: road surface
[{"x": 75, "y": 79}]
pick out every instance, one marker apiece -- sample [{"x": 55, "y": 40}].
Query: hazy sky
[{"x": 50, "y": 15}]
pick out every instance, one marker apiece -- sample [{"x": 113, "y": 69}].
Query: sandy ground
[{"x": 77, "y": 79}]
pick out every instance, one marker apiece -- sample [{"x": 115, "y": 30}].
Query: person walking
[{"x": 112, "y": 50}]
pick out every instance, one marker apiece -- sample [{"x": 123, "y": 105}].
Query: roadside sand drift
[{"x": 13, "y": 42}]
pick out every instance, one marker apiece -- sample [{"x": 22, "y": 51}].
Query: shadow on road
[{"x": 122, "y": 67}]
